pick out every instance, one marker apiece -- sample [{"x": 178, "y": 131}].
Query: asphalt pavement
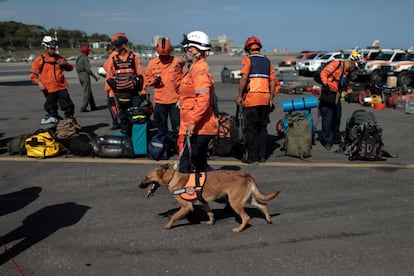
[{"x": 87, "y": 216}]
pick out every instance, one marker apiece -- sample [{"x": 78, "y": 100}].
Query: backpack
[
  {"x": 223, "y": 142},
  {"x": 298, "y": 139},
  {"x": 368, "y": 146},
  {"x": 358, "y": 118},
  {"x": 42, "y": 145},
  {"x": 317, "y": 74},
  {"x": 161, "y": 146},
  {"x": 66, "y": 128},
  {"x": 17, "y": 144},
  {"x": 363, "y": 136}
]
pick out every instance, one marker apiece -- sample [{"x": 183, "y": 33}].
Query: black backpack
[
  {"x": 223, "y": 142},
  {"x": 363, "y": 136}
]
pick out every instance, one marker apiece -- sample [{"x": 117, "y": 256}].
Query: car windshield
[
  {"x": 328, "y": 56},
  {"x": 299, "y": 56},
  {"x": 384, "y": 56},
  {"x": 410, "y": 57},
  {"x": 312, "y": 56}
]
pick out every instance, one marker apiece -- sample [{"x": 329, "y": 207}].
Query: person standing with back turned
[
  {"x": 197, "y": 120},
  {"x": 47, "y": 73},
  {"x": 84, "y": 71},
  {"x": 258, "y": 85},
  {"x": 126, "y": 79}
]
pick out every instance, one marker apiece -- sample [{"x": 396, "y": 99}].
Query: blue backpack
[{"x": 161, "y": 146}]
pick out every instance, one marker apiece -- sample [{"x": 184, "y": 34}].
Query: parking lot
[{"x": 86, "y": 216}]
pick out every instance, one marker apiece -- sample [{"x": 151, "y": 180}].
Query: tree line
[{"x": 19, "y": 36}]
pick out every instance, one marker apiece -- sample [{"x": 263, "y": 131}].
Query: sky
[{"x": 293, "y": 25}]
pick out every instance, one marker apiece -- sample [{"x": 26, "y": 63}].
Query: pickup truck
[
  {"x": 372, "y": 69},
  {"x": 400, "y": 69}
]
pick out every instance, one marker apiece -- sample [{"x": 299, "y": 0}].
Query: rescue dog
[{"x": 239, "y": 187}]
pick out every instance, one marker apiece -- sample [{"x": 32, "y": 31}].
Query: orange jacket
[
  {"x": 107, "y": 87},
  {"x": 46, "y": 70},
  {"x": 139, "y": 68},
  {"x": 196, "y": 100},
  {"x": 332, "y": 73},
  {"x": 259, "y": 83},
  {"x": 166, "y": 91}
]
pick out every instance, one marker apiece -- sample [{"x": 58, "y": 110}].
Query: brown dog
[{"x": 240, "y": 188}]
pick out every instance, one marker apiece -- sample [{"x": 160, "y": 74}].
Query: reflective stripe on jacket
[
  {"x": 196, "y": 100},
  {"x": 260, "y": 71}
]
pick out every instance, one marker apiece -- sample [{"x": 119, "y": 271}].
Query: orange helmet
[
  {"x": 252, "y": 40},
  {"x": 119, "y": 38},
  {"x": 163, "y": 46}
]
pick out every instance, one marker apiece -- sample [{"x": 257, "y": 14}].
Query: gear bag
[
  {"x": 363, "y": 136},
  {"x": 67, "y": 128},
  {"x": 42, "y": 145},
  {"x": 112, "y": 146},
  {"x": 223, "y": 142},
  {"x": 161, "y": 146},
  {"x": 298, "y": 139}
]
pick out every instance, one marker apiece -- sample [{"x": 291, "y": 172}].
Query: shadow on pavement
[{"x": 40, "y": 225}]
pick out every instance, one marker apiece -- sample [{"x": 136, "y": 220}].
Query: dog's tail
[{"x": 259, "y": 196}]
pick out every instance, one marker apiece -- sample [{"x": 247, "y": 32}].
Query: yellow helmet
[{"x": 357, "y": 58}]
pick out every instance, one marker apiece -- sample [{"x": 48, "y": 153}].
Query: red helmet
[
  {"x": 85, "y": 49},
  {"x": 252, "y": 40},
  {"x": 119, "y": 38},
  {"x": 163, "y": 46}
]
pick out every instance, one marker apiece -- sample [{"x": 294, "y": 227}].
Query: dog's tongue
[{"x": 152, "y": 188}]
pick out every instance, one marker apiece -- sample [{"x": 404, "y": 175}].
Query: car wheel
[
  {"x": 376, "y": 77},
  {"x": 404, "y": 79}
]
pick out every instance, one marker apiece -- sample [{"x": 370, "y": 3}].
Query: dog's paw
[
  {"x": 168, "y": 226},
  {"x": 269, "y": 221},
  {"x": 210, "y": 222}
]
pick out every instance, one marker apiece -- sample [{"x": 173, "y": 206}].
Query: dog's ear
[{"x": 162, "y": 169}]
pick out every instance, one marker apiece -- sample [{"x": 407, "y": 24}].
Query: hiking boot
[
  {"x": 328, "y": 146},
  {"x": 84, "y": 110}
]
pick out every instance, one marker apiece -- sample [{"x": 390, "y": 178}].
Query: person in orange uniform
[
  {"x": 257, "y": 88},
  {"x": 197, "y": 120},
  {"x": 47, "y": 72},
  {"x": 335, "y": 79},
  {"x": 164, "y": 74},
  {"x": 126, "y": 78},
  {"x": 112, "y": 103}
]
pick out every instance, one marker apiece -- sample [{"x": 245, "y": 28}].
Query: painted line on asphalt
[{"x": 211, "y": 162}]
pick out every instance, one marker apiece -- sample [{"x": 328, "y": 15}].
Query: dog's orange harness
[{"x": 192, "y": 190}]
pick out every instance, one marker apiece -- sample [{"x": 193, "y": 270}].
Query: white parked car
[
  {"x": 302, "y": 66},
  {"x": 313, "y": 65}
]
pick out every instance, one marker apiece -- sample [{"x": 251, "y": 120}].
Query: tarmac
[{"x": 86, "y": 215}]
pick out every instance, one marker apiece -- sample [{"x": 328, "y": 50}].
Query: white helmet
[
  {"x": 197, "y": 39},
  {"x": 49, "y": 42}
]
